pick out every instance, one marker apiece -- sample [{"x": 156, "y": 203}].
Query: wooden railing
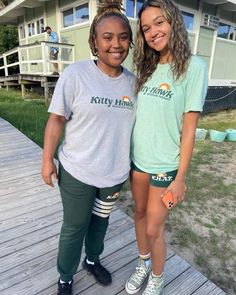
[{"x": 35, "y": 59}]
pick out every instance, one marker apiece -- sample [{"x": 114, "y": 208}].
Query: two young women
[
  {"x": 171, "y": 86},
  {"x": 95, "y": 102}
]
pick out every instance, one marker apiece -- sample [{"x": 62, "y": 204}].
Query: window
[
  {"x": 132, "y": 7},
  {"x": 68, "y": 18},
  {"x": 30, "y": 29},
  {"x": 226, "y": 31},
  {"x": 81, "y": 13},
  {"x": 188, "y": 20},
  {"x": 35, "y": 27},
  {"x": 139, "y": 4},
  {"x": 75, "y": 15},
  {"x": 40, "y": 25}
]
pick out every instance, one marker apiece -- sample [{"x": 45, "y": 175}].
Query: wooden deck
[{"x": 30, "y": 220}]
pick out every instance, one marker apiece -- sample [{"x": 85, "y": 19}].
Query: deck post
[
  {"x": 22, "y": 90},
  {"x": 44, "y": 58},
  {"x": 46, "y": 91},
  {"x": 5, "y": 64}
]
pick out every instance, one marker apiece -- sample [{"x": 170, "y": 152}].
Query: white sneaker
[
  {"x": 154, "y": 286},
  {"x": 135, "y": 281}
]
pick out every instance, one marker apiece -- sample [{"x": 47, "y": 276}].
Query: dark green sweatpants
[{"x": 86, "y": 211}]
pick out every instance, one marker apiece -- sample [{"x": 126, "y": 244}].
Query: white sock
[
  {"x": 146, "y": 259},
  {"x": 156, "y": 276},
  {"x": 89, "y": 262},
  {"x": 62, "y": 282}
]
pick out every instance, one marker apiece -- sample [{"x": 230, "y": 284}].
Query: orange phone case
[{"x": 168, "y": 199}]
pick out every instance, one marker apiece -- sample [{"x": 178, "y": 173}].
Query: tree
[{"x": 8, "y": 38}]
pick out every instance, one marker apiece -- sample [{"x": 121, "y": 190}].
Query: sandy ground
[{"x": 208, "y": 225}]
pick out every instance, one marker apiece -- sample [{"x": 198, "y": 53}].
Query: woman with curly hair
[
  {"x": 171, "y": 86},
  {"x": 95, "y": 101}
]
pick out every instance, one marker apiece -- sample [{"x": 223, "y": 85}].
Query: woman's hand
[
  {"x": 48, "y": 172},
  {"x": 178, "y": 188}
]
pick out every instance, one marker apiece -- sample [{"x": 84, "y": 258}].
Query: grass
[
  {"x": 29, "y": 117},
  {"x": 205, "y": 224}
]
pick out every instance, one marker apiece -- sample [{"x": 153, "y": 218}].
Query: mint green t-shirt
[{"x": 162, "y": 102}]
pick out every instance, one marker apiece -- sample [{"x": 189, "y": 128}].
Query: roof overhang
[{"x": 9, "y": 14}]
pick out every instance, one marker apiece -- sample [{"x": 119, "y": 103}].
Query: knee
[
  {"x": 72, "y": 232},
  {"x": 155, "y": 233},
  {"x": 140, "y": 212}
]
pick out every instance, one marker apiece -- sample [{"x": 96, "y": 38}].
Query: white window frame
[
  {"x": 74, "y": 6},
  {"x": 191, "y": 11},
  {"x": 231, "y": 24},
  {"x": 34, "y": 22}
]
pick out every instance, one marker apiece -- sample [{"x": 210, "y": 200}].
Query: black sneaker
[
  {"x": 101, "y": 274},
  {"x": 64, "y": 288}
]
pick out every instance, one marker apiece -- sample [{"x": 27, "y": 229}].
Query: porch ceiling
[
  {"x": 9, "y": 14},
  {"x": 228, "y": 5}
]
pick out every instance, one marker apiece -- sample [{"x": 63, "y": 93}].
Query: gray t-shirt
[{"x": 100, "y": 114}]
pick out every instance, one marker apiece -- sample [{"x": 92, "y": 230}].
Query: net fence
[{"x": 219, "y": 98}]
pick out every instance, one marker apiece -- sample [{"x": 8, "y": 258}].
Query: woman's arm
[
  {"x": 178, "y": 186},
  {"x": 53, "y": 132}
]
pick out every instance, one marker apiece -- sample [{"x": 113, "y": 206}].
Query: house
[{"x": 211, "y": 25}]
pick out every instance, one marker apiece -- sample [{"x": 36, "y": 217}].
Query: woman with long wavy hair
[{"x": 171, "y": 88}]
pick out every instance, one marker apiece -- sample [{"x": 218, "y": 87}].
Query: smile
[
  {"x": 116, "y": 54},
  {"x": 158, "y": 39}
]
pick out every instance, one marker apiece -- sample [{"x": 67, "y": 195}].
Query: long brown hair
[
  {"x": 107, "y": 8},
  {"x": 146, "y": 59}
]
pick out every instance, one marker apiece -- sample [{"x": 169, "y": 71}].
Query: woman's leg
[
  {"x": 94, "y": 241},
  {"x": 78, "y": 200},
  {"x": 156, "y": 217},
  {"x": 139, "y": 186},
  {"x": 103, "y": 204}
]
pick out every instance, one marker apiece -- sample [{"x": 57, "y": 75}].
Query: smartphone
[{"x": 168, "y": 199}]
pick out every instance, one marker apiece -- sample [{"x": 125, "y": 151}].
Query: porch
[{"x": 31, "y": 64}]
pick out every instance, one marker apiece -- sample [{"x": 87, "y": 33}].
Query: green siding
[
  {"x": 78, "y": 37},
  {"x": 129, "y": 59},
  {"x": 20, "y": 19},
  {"x": 224, "y": 66},
  {"x": 22, "y": 42},
  {"x": 29, "y": 14},
  {"x": 191, "y": 37},
  {"x": 62, "y": 3},
  {"x": 228, "y": 15},
  {"x": 205, "y": 44},
  {"x": 209, "y": 8},
  {"x": 51, "y": 15},
  {"x": 38, "y": 12},
  {"x": 36, "y": 38}
]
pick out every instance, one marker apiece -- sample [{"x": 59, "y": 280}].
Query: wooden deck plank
[
  {"x": 40, "y": 264},
  {"x": 36, "y": 282},
  {"x": 30, "y": 221},
  {"x": 208, "y": 289}
]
